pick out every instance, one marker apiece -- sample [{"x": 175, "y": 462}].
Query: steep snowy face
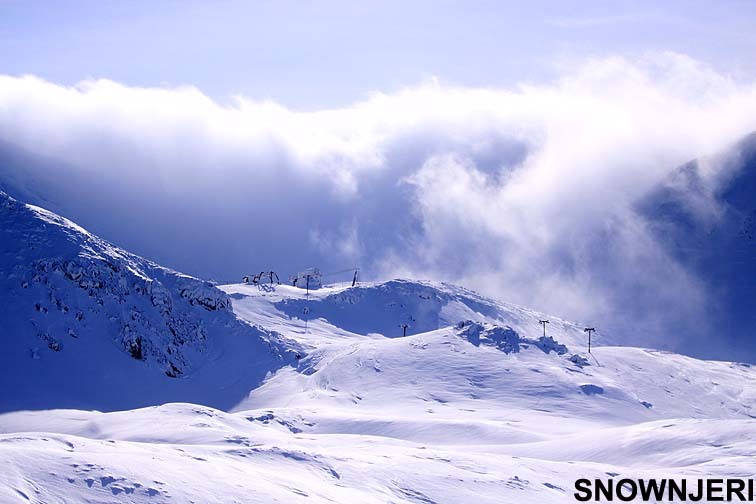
[
  {"x": 72, "y": 276},
  {"x": 67, "y": 292}
]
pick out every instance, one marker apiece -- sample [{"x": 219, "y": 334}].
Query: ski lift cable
[{"x": 339, "y": 272}]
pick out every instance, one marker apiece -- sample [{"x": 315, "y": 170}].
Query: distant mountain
[{"x": 708, "y": 223}]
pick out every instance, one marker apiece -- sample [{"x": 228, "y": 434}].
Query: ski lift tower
[
  {"x": 311, "y": 278},
  {"x": 589, "y": 330},
  {"x": 543, "y": 323}
]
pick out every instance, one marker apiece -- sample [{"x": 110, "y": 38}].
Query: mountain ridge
[{"x": 68, "y": 288}]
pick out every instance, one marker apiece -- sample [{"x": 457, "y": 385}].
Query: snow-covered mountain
[
  {"x": 88, "y": 325},
  {"x": 267, "y": 393}
]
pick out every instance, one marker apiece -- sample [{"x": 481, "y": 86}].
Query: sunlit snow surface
[{"x": 473, "y": 405}]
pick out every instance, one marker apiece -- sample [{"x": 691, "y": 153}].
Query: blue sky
[{"x": 324, "y": 54}]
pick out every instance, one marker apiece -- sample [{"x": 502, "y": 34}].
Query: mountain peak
[{"x": 75, "y": 301}]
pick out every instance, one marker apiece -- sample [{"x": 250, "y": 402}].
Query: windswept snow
[{"x": 280, "y": 395}]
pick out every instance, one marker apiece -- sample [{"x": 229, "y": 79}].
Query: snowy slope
[
  {"x": 473, "y": 405},
  {"x": 88, "y": 325},
  {"x": 494, "y": 380},
  {"x": 185, "y": 453}
]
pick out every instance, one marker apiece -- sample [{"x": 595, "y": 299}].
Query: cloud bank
[{"x": 525, "y": 194}]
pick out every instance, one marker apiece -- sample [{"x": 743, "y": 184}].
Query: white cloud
[{"x": 524, "y": 193}]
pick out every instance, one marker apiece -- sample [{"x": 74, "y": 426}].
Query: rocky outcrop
[{"x": 505, "y": 338}]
